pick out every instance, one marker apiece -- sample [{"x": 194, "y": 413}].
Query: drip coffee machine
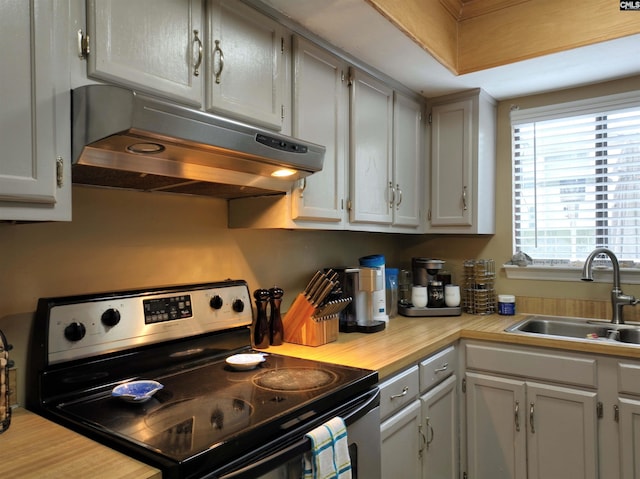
[{"x": 428, "y": 290}]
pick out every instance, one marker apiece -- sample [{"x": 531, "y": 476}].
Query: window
[{"x": 576, "y": 179}]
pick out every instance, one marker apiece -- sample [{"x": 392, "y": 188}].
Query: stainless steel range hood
[{"x": 125, "y": 139}]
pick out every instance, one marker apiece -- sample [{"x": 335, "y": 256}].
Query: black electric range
[{"x": 209, "y": 418}]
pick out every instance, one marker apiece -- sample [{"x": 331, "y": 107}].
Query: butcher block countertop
[
  {"x": 405, "y": 341},
  {"x": 34, "y": 447}
]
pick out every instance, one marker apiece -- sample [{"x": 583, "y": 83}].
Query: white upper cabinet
[
  {"x": 320, "y": 115},
  {"x": 247, "y": 54},
  {"x": 35, "y": 179},
  {"x": 151, "y": 45},
  {"x": 407, "y": 188},
  {"x": 371, "y": 175},
  {"x": 463, "y": 157},
  {"x": 237, "y": 67}
]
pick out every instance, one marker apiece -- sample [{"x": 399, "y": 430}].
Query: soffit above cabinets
[{"x": 360, "y": 30}]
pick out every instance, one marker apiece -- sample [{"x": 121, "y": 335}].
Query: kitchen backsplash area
[{"x": 126, "y": 240}]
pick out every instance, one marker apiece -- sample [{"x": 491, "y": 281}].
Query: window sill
[{"x": 569, "y": 273}]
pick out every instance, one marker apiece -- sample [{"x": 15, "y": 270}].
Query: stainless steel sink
[{"x": 578, "y": 328}]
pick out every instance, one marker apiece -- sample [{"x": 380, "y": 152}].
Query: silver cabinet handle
[
  {"x": 399, "y": 196},
  {"x": 516, "y": 412},
  {"x": 531, "y": 412},
  {"x": 429, "y": 441},
  {"x": 405, "y": 391},
  {"x": 464, "y": 198},
  {"x": 198, "y": 44},
  {"x": 442, "y": 368},
  {"x": 218, "y": 51},
  {"x": 392, "y": 195},
  {"x": 424, "y": 441}
]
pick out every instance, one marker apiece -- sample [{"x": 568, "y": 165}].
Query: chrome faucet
[{"x": 618, "y": 298}]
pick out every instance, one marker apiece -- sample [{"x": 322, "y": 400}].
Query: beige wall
[{"x": 122, "y": 240}]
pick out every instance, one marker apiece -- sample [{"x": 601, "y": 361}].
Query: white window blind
[{"x": 576, "y": 179}]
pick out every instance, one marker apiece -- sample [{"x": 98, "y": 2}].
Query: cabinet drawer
[
  {"x": 438, "y": 367},
  {"x": 629, "y": 378},
  {"x": 562, "y": 368},
  {"x": 398, "y": 391}
]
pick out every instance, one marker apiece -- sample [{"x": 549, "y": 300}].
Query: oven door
[{"x": 362, "y": 419}]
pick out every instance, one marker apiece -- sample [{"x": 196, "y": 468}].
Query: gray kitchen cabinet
[
  {"x": 521, "y": 427},
  {"x": 151, "y": 45},
  {"x": 371, "y": 157},
  {"x": 627, "y": 417},
  {"x": 401, "y": 429},
  {"x": 463, "y": 158},
  {"x": 226, "y": 57},
  {"x": 439, "y": 420},
  {"x": 320, "y": 115},
  {"x": 372, "y": 174},
  {"x": 407, "y": 197},
  {"x": 440, "y": 417},
  {"x": 35, "y": 171},
  {"x": 247, "y": 57},
  {"x": 420, "y": 434}
]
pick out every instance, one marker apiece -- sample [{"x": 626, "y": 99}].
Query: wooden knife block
[{"x": 300, "y": 328}]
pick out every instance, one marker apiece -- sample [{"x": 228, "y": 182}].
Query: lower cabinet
[
  {"x": 440, "y": 455},
  {"x": 420, "y": 434},
  {"x": 523, "y": 429},
  {"x": 520, "y": 427},
  {"x": 401, "y": 443}
]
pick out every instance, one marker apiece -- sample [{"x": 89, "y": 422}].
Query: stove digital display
[{"x": 158, "y": 310}]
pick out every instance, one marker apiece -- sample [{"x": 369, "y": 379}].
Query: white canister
[
  {"x": 419, "y": 297},
  {"x": 452, "y": 295}
]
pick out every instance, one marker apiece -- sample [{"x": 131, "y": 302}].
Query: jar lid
[{"x": 506, "y": 298}]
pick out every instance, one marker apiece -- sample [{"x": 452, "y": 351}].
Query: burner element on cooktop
[{"x": 294, "y": 379}]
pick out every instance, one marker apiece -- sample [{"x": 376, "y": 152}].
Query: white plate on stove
[
  {"x": 136, "y": 391},
  {"x": 244, "y": 362}
]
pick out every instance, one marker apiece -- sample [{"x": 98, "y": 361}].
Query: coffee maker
[
  {"x": 424, "y": 273},
  {"x": 363, "y": 284}
]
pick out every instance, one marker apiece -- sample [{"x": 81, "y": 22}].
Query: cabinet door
[
  {"x": 246, "y": 56},
  {"x": 629, "y": 423},
  {"x": 400, "y": 448},
  {"x": 35, "y": 178},
  {"x": 371, "y": 149},
  {"x": 441, "y": 458},
  {"x": 451, "y": 155},
  {"x": 320, "y": 115},
  {"x": 151, "y": 45},
  {"x": 496, "y": 427},
  {"x": 562, "y": 432},
  {"x": 407, "y": 161}
]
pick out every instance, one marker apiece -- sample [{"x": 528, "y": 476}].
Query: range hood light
[{"x": 283, "y": 173}]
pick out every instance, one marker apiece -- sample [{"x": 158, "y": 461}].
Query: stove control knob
[
  {"x": 75, "y": 331},
  {"x": 216, "y": 302},
  {"x": 110, "y": 317},
  {"x": 238, "y": 305}
]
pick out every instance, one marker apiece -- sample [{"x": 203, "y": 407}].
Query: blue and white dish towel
[{"x": 329, "y": 455}]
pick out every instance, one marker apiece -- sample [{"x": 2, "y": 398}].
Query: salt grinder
[
  {"x": 261, "y": 328},
  {"x": 276, "y": 332}
]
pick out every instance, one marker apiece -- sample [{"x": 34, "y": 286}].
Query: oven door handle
[{"x": 301, "y": 446}]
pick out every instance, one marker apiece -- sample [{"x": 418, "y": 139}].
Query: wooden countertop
[
  {"x": 34, "y": 447},
  {"x": 408, "y": 340}
]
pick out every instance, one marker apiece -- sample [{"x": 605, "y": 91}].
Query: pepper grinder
[
  {"x": 261, "y": 328},
  {"x": 276, "y": 332}
]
